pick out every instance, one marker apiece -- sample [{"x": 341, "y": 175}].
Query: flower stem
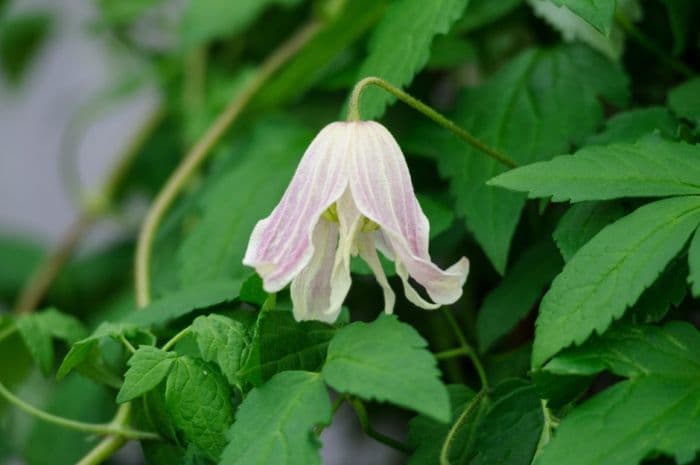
[
  {"x": 362, "y": 416},
  {"x": 458, "y": 424},
  {"x": 202, "y": 148},
  {"x": 168, "y": 345},
  {"x": 95, "y": 428},
  {"x": 466, "y": 349},
  {"x": 354, "y": 115},
  {"x": 451, "y": 353}
]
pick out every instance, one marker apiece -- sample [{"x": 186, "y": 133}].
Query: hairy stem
[
  {"x": 458, "y": 424},
  {"x": 466, "y": 349},
  {"x": 354, "y": 115},
  {"x": 362, "y": 416},
  {"x": 202, "y": 148}
]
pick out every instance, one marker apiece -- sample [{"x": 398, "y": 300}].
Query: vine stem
[
  {"x": 459, "y": 423},
  {"x": 111, "y": 429},
  {"x": 202, "y": 148},
  {"x": 168, "y": 345},
  {"x": 464, "y": 349},
  {"x": 46, "y": 273},
  {"x": 362, "y": 416},
  {"x": 354, "y": 115}
]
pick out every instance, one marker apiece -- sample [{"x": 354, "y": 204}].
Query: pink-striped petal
[
  {"x": 381, "y": 187},
  {"x": 281, "y": 244}
]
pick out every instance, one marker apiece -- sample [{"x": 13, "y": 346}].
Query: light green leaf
[
  {"x": 206, "y": 20},
  {"x": 671, "y": 351},
  {"x": 598, "y": 13},
  {"x": 583, "y": 221},
  {"x": 694, "y": 263},
  {"x": 630, "y": 126},
  {"x": 180, "y": 303},
  {"x": 517, "y": 293},
  {"x": 651, "y": 167},
  {"x": 38, "y": 340},
  {"x": 611, "y": 271},
  {"x": 147, "y": 368},
  {"x": 387, "y": 360},
  {"x": 274, "y": 423},
  {"x": 280, "y": 343},
  {"x": 221, "y": 340},
  {"x": 532, "y": 109},
  {"x": 214, "y": 248},
  {"x": 61, "y": 326},
  {"x": 397, "y": 61},
  {"x": 629, "y": 422},
  {"x": 120, "y": 12},
  {"x": 199, "y": 403},
  {"x": 684, "y": 100}
]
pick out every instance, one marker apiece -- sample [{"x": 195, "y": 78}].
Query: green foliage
[
  {"x": 532, "y": 109},
  {"x": 147, "y": 368},
  {"x": 583, "y": 221},
  {"x": 482, "y": 12},
  {"x": 398, "y": 61},
  {"x": 222, "y": 341},
  {"x": 629, "y": 126},
  {"x": 386, "y": 361},
  {"x": 274, "y": 424},
  {"x": 21, "y": 38},
  {"x": 598, "y": 13},
  {"x": 609, "y": 273},
  {"x": 684, "y": 100}
]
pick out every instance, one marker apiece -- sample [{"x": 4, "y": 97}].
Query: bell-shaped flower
[{"x": 351, "y": 195}]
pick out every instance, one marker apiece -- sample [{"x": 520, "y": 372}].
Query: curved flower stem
[
  {"x": 458, "y": 424},
  {"x": 651, "y": 46},
  {"x": 362, "y": 416},
  {"x": 464, "y": 349},
  {"x": 354, "y": 115},
  {"x": 202, "y": 148},
  {"x": 168, "y": 345},
  {"x": 110, "y": 429},
  {"x": 39, "y": 283}
]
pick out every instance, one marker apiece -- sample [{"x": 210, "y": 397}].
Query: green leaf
[
  {"x": 651, "y": 167},
  {"x": 511, "y": 428},
  {"x": 681, "y": 14},
  {"x": 38, "y": 340},
  {"x": 387, "y": 360},
  {"x": 274, "y": 423},
  {"x": 684, "y": 100},
  {"x": 199, "y": 403},
  {"x": 21, "y": 38},
  {"x": 668, "y": 291},
  {"x": 480, "y": 13},
  {"x": 583, "y": 221},
  {"x": 397, "y": 61},
  {"x": 611, "y": 271},
  {"x": 280, "y": 343},
  {"x": 180, "y": 303},
  {"x": 598, "y": 13},
  {"x": 630, "y": 126},
  {"x": 532, "y": 109},
  {"x": 214, "y": 248},
  {"x": 120, "y": 12},
  {"x": 221, "y": 340},
  {"x": 147, "y": 368},
  {"x": 517, "y": 293},
  {"x": 427, "y": 435},
  {"x": 629, "y": 422},
  {"x": 694, "y": 264},
  {"x": 206, "y": 20},
  {"x": 671, "y": 351},
  {"x": 24, "y": 255},
  {"x": 61, "y": 326}
]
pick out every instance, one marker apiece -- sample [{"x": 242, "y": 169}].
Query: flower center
[{"x": 331, "y": 214}]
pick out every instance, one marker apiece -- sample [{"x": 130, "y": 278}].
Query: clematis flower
[{"x": 351, "y": 195}]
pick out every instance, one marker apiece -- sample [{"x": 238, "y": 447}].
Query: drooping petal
[
  {"x": 280, "y": 245},
  {"x": 368, "y": 252},
  {"x": 320, "y": 288},
  {"x": 381, "y": 187}
]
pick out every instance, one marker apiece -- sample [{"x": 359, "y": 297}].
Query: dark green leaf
[
  {"x": 38, "y": 340},
  {"x": 684, "y": 100},
  {"x": 147, "y": 368},
  {"x": 387, "y": 360},
  {"x": 199, "y": 403},
  {"x": 651, "y": 167},
  {"x": 632, "y": 125},
  {"x": 274, "y": 423},
  {"x": 583, "y": 221},
  {"x": 221, "y": 340},
  {"x": 20, "y": 39},
  {"x": 517, "y": 293},
  {"x": 479, "y": 13},
  {"x": 611, "y": 271},
  {"x": 668, "y": 291}
]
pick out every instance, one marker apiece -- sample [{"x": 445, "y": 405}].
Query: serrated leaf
[
  {"x": 598, "y": 13},
  {"x": 668, "y": 291},
  {"x": 684, "y": 100},
  {"x": 280, "y": 343},
  {"x": 398, "y": 61},
  {"x": 205, "y": 20},
  {"x": 611, "y": 271},
  {"x": 147, "y": 368},
  {"x": 221, "y": 340},
  {"x": 214, "y": 248},
  {"x": 387, "y": 360},
  {"x": 583, "y": 221},
  {"x": 532, "y": 109},
  {"x": 38, "y": 340},
  {"x": 61, "y": 326},
  {"x": 274, "y": 423},
  {"x": 199, "y": 403},
  {"x": 627, "y": 423},
  {"x": 517, "y": 293},
  {"x": 632, "y": 125},
  {"x": 189, "y": 299},
  {"x": 694, "y": 264},
  {"x": 671, "y": 351},
  {"x": 651, "y": 167},
  {"x": 427, "y": 435}
]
